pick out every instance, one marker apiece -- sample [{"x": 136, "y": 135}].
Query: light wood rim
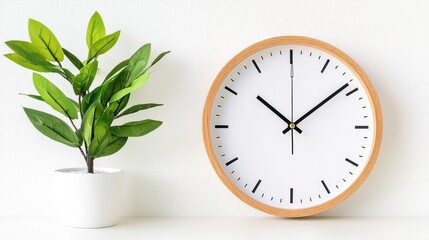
[{"x": 349, "y": 62}]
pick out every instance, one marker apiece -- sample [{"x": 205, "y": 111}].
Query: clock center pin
[{"x": 292, "y": 125}]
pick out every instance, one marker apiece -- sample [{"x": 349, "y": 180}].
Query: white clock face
[{"x": 291, "y": 126}]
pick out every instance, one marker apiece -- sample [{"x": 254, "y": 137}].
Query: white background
[{"x": 168, "y": 172}]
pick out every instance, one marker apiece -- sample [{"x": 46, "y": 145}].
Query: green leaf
[
  {"x": 160, "y": 56},
  {"x": 27, "y": 51},
  {"x": 37, "y": 97},
  {"x": 89, "y": 120},
  {"x": 92, "y": 71},
  {"x": 112, "y": 86},
  {"x": 122, "y": 103},
  {"x": 119, "y": 105},
  {"x": 136, "y": 84},
  {"x": 135, "y": 129},
  {"x": 25, "y": 63},
  {"x": 85, "y": 78},
  {"x": 45, "y": 41},
  {"x": 79, "y": 136},
  {"x": 73, "y": 59},
  {"x": 75, "y": 104},
  {"x": 109, "y": 145},
  {"x": 103, "y": 45},
  {"x": 52, "y": 127},
  {"x": 95, "y": 30},
  {"x": 91, "y": 97},
  {"x": 119, "y": 75},
  {"x": 116, "y": 70},
  {"x": 138, "y": 62},
  {"x": 100, "y": 129},
  {"x": 70, "y": 76},
  {"x": 103, "y": 124},
  {"x": 54, "y": 97},
  {"x": 137, "y": 108}
]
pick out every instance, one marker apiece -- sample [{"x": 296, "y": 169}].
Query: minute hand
[{"x": 317, "y": 106}]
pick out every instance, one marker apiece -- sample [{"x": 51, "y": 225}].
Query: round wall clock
[{"x": 292, "y": 126}]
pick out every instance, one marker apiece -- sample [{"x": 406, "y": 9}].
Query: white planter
[{"x": 89, "y": 200}]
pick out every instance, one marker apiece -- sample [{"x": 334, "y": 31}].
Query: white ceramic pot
[{"x": 89, "y": 200}]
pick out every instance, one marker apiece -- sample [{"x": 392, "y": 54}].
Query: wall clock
[{"x": 292, "y": 126}]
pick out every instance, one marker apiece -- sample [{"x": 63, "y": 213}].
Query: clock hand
[
  {"x": 317, "y": 107},
  {"x": 277, "y": 112},
  {"x": 291, "y": 93}
]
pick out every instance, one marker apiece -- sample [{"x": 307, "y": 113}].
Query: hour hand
[{"x": 278, "y": 114}]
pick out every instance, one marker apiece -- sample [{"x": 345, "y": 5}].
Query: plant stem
[
  {"x": 61, "y": 66},
  {"x": 74, "y": 126},
  {"x": 90, "y": 164},
  {"x": 65, "y": 77},
  {"x": 83, "y": 154},
  {"x": 81, "y": 116},
  {"x": 80, "y": 148},
  {"x": 89, "y": 161}
]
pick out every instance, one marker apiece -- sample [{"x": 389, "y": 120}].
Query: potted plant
[{"x": 87, "y": 197}]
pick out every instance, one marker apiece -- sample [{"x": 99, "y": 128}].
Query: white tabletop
[{"x": 222, "y": 228}]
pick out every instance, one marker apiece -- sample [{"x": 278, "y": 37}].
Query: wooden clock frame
[{"x": 351, "y": 64}]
